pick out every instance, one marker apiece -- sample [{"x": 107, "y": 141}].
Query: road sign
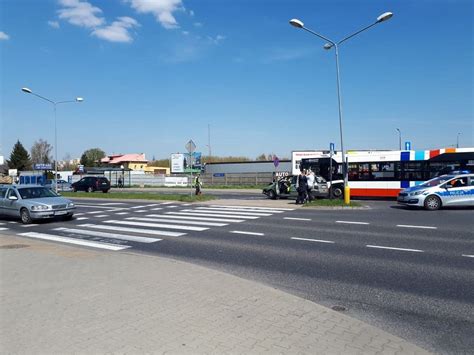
[
  {"x": 80, "y": 168},
  {"x": 331, "y": 147},
  {"x": 190, "y": 146},
  {"x": 407, "y": 145},
  {"x": 276, "y": 161},
  {"x": 42, "y": 166}
]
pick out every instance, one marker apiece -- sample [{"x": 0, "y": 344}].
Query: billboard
[{"x": 186, "y": 163}]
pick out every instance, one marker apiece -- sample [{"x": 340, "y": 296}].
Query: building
[{"x": 135, "y": 162}]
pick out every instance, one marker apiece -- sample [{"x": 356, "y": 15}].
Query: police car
[{"x": 442, "y": 191}]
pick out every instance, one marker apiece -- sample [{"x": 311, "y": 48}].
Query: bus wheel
[
  {"x": 337, "y": 192},
  {"x": 432, "y": 203}
]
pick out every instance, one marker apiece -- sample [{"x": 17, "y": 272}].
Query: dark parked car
[{"x": 91, "y": 184}]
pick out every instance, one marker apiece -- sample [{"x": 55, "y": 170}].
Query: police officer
[{"x": 301, "y": 187}]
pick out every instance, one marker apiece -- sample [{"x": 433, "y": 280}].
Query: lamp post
[
  {"x": 299, "y": 24},
  {"x": 55, "y": 103},
  {"x": 457, "y": 140},
  {"x": 399, "y": 139}
]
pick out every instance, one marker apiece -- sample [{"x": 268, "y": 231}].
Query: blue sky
[{"x": 154, "y": 74}]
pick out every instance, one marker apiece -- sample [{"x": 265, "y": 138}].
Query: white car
[{"x": 442, "y": 191}]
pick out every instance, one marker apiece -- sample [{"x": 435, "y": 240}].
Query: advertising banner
[{"x": 177, "y": 163}]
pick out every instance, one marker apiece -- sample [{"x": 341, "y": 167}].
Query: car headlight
[
  {"x": 39, "y": 208},
  {"x": 70, "y": 204},
  {"x": 416, "y": 193}
]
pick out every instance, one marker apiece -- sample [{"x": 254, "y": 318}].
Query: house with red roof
[{"x": 126, "y": 161}]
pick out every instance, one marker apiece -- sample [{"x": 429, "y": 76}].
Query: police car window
[
  {"x": 11, "y": 192},
  {"x": 3, "y": 192}
]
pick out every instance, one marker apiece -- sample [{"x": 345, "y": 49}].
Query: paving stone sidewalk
[{"x": 58, "y": 299}]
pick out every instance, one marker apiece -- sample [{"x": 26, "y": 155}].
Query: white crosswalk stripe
[
  {"x": 158, "y": 225},
  {"x": 196, "y": 218},
  {"x": 133, "y": 230},
  {"x": 131, "y": 238},
  {"x": 211, "y": 224},
  {"x": 243, "y": 213},
  {"x": 76, "y": 241},
  {"x": 238, "y": 210},
  {"x": 255, "y": 208},
  {"x": 211, "y": 215}
]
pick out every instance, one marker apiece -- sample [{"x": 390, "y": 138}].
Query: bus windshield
[{"x": 437, "y": 181}]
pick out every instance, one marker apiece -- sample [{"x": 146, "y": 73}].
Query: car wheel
[
  {"x": 25, "y": 216},
  {"x": 337, "y": 192},
  {"x": 105, "y": 191},
  {"x": 90, "y": 189},
  {"x": 272, "y": 194},
  {"x": 432, "y": 203}
]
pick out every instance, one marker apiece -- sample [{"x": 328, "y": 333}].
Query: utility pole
[{"x": 209, "y": 139}]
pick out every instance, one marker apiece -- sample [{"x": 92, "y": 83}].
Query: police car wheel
[{"x": 432, "y": 203}]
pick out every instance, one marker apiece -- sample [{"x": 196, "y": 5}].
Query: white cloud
[
  {"x": 185, "y": 33},
  {"x": 217, "y": 39},
  {"x": 197, "y": 24},
  {"x": 4, "y": 36},
  {"x": 80, "y": 13},
  {"x": 117, "y": 31},
  {"x": 53, "y": 24},
  {"x": 191, "y": 12},
  {"x": 162, "y": 10}
]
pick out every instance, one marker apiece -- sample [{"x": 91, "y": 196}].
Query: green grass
[
  {"x": 331, "y": 203},
  {"x": 141, "y": 196}
]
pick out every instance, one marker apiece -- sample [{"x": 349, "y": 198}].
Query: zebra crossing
[{"x": 115, "y": 226}]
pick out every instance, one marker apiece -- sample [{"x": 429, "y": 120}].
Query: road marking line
[
  {"x": 4, "y": 228},
  {"x": 166, "y": 203},
  {"x": 81, "y": 218},
  {"x": 103, "y": 215},
  {"x": 213, "y": 224},
  {"x": 141, "y": 211},
  {"x": 468, "y": 256},
  {"x": 256, "y": 208},
  {"x": 29, "y": 225},
  {"x": 74, "y": 241},
  {"x": 158, "y": 225},
  {"x": 392, "y": 248},
  {"x": 136, "y": 207},
  {"x": 78, "y": 214},
  {"x": 186, "y": 204},
  {"x": 352, "y": 222},
  {"x": 95, "y": 212},
  {"x": 123, "y": 213},
  {"x": 238, "y": 210},
  {"x": 230, "y": 212},
  {"x": 212, "y": 215},
  {"x": 314, "y": 240},
  {"x": 131, "y": 238},
  {"x": 113, "y": 203},
  {"x": 133, "y": 230},
  {"x": 248, "y": 233},
  {"x": 156, "y": 209},
  {"x": 422, "y": 227},
  {"x": 196, "y": 218},
  {"x": 97, "y": 206},
  {"x": 297, "y": 219},
  {"x": 153, "y": 205}
]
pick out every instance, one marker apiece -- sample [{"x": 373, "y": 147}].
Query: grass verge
[
  {"x": 141, "y": 196},
  {"x": 331, "y": 203}
]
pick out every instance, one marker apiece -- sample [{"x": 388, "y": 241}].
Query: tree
[
  {"x": 92, "y": 157},
  {"x": 19, "y": 158},
  {"x": 261, "y": 157},
  {"x": 41, "y": 152}
]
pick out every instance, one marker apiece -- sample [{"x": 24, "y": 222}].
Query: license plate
[{"x": 60, "y": 213}]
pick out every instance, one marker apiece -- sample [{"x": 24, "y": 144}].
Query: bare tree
[{"x": 41, "y": 152}]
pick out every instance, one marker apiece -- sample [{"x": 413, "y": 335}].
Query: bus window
[
  {"x": 383, "y": 171},
  {"x": 353, "y": 171}
]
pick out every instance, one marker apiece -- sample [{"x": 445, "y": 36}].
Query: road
[{"x": 409, "y": 272}]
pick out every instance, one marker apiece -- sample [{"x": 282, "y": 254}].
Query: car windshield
[
  {"x": 36, "y": 192},
  {"x": 437, "y": 181}
]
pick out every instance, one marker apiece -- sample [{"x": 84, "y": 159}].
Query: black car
[{"x": 91, "y": 184}]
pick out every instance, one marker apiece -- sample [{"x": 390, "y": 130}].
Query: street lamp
[
  {"x": 299, "y": 24},
  {"x": 457, "y": 140},
  {"x": 55, "y": 103},
  {"x": 399, "y": 139}
]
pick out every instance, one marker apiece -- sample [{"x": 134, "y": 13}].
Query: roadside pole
[
  {"x": 331, "y": 152},
  {"x": 190, "y": 146}
]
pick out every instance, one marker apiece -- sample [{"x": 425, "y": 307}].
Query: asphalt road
[{"x": 409, "y": 272}]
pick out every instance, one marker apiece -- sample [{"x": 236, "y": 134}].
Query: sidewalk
[{"x": 64, "y": 300}]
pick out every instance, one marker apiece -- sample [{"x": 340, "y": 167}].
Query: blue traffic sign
[
  {"x": 407, "y": 145},
  {"x": 43, "y": 166}
]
